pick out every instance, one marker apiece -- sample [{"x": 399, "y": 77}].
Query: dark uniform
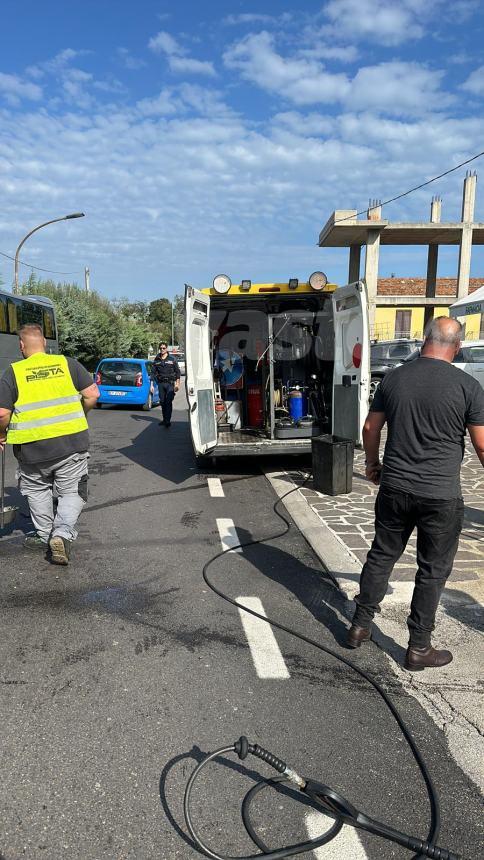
[{"x": 166, "y": 372}]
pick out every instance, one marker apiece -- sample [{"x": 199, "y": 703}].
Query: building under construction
[{"x": 401, "y": 307}]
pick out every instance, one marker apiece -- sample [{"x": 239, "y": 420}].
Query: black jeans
[
  {"x": 167, "y": 393},
  {"x": 439, "y": 524}
]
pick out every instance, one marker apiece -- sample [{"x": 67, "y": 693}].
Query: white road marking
[
  {"x": 346, "y": 844},
  {"x": 228, "y": 535},
  {"x": 215, "y": 488},
  {"x": 264, "y": 650}
]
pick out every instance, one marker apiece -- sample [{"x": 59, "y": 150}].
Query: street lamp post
[{"x": 54, "y": 221}]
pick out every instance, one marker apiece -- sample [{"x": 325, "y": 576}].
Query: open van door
[
  {"x": 351, "y": 360},
  {"x": 198, "y": 379}
]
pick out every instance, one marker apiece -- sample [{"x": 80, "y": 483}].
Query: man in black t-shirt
[
  {"x": 43, "y": 403},
  {"x": 427, "y": 404}
]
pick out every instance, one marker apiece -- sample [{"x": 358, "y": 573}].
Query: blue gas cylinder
[{"x": 296, "y": 404}]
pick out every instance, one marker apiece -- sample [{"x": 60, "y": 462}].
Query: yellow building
[{"x": 402, "y": 309}]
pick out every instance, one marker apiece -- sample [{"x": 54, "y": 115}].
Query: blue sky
[{"x": 201, "y": 138}]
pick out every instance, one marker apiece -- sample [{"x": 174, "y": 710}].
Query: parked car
[
  {"x": 180, "y": 357},
  {"x": 387, "y": 354},
  {"x": 470, "y": 359},
  {"x": 126, "y": 380}
]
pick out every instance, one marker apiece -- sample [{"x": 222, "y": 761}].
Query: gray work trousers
[{"x": 68, "y": 479}]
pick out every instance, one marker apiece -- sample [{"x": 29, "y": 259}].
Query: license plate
[{"x": 117, "y": 393}]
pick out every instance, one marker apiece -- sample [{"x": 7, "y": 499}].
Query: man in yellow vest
[{"x": 44, "y": 400}]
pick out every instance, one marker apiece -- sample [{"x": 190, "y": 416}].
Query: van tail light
[
  {"x": 98, "y": 378},
  {"x": 138, "y": 380}
]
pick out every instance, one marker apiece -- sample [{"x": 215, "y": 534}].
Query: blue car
[{"x": 128, "y": 381}]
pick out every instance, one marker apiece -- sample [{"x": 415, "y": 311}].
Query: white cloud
[
  {"x": 300, "y": 80},
  {"x": 177, "y": 58},
  {"x": 396, "y": 87},
  {"x": 324, "y": 52},
  {"x": 475, "y": 82},
  {"x": 14, "y": 89},
  {"x": 55, "y": 64},
  {"x": 131, "y": 62},
  {"x": 163, "y": 104},
  {"x": 179, "y": 186},
  {"x": 399, "y": 88},
  {"x": 191, "y": 66},
  {"x": 164, "y": 42},
  {"x": 255, "y": 18},
  {"x": 377, "y": 20}
]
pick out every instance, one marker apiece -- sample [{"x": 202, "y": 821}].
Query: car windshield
[{"x": 119, "y": 372}]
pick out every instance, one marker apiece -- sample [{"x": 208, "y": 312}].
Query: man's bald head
[
  {"x": 32, "y": 339},
  {"x": 443, "y": 337}
]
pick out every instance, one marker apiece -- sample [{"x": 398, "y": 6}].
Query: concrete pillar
[
  {"x": 372, "y": 258},
  {"x": 465, "y": 250},
  {"x": 432, "y": 257},
  {"x": 354, "y": 267},
  {"x": 374, "y": 210},
  {"x": 435, "y": 210}
]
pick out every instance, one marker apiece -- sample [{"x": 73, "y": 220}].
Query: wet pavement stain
[
  {"x": 190, "y": 519},
  {"x": 83, "y": 655}
]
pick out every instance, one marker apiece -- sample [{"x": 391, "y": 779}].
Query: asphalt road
[{"x": 119, "y": 672}]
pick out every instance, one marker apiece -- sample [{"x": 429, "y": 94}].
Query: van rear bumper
[{"x": 261, "y": 446}]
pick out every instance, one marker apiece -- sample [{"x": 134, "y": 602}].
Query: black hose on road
[{"x": 324, "y": 799}]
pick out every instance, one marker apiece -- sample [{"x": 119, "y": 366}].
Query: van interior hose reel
[{"x": 322, "y": 797}]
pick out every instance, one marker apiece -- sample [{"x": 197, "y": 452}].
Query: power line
[
  {"x": 39, "y": 269},
  {"x": 411, "y": 190}
]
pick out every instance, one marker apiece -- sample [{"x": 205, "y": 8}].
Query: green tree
[
  {"x": 91, "y": 327},
  {"x": 160, "y": 318}
]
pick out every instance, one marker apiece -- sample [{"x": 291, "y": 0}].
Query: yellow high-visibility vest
[{"x": 48, "y": 404}]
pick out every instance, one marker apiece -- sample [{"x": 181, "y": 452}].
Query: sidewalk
[{"x": 340, "y": 530}]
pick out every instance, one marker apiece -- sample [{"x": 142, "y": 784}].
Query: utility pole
[
  {"x": 173, "y": 323},
  {"x": 87, "y": 279}
]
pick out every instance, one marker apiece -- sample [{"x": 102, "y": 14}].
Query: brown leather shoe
[
  {"x": 417, "y": 659},
  {"x": 357, "y": 635}
]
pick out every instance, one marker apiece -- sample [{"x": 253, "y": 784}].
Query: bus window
[
  {"x": 3, "y": 315},
  {"x": 13, "y": 315},
  {"x": 49, "y": 324},
  {"x": 31, "y": 313}
]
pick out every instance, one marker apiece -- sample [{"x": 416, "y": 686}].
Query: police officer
[
  {"x": 44, "y": 400},
  {"x": 167, "y": 374}
]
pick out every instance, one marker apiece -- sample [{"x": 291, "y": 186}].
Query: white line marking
[
  {"x": 228, "y": 535},
  {"x": 346, "y": 844},
  {"x": 264, "y": 650},
  {"x": 215, "y": 488}
]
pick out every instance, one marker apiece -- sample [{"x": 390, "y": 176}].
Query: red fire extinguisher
[{"x": 255, "y": 408}]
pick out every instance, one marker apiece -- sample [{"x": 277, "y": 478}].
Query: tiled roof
[{"x": 416, "y": 286}]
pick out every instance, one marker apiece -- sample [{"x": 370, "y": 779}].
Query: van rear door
[
  {"x": 351, "y": 360},
  {"x": 198, "y": 379}
]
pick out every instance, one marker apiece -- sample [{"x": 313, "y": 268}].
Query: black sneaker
[
  {"x": 35, "y": 542},
  {"x": 60, "y": 550}
]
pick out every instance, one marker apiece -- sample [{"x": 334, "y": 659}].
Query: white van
[
  {"x": 470, "y": 358},
  {"x": 268, "y": 366}
]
